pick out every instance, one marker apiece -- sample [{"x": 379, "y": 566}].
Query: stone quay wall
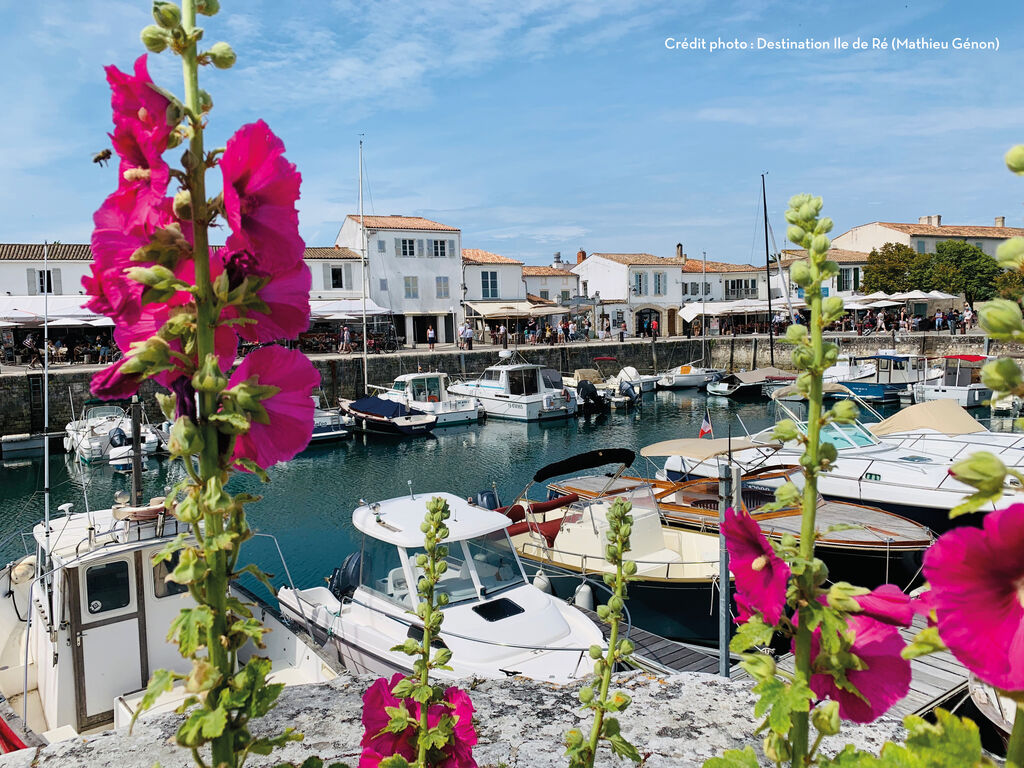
[{"x": 21, "y": 389}]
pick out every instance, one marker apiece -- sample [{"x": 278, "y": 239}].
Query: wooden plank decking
[{"x": 934, "y": 681}]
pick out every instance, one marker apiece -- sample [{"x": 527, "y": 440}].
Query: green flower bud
[
  {"x": 187, "y": 510},
  {"x": 800, "y": 273},
  {"x": 795, "y": 234},
  {"x": 760, "y": 666},
  {"x": 803, "y": 357},
  {"x": 830, "y": 353},
  {"x": 826, "y": 718},
  {"x": 185, "y": 437},
  {"x": 845, "y": 411},
  {"x": 820, "y": 244},
  {"x": 806, "y": 212},
  {"x": 1015, "y": 159},
  {"x": 442, "y": 598},
  {"x": 209, "y": 377},
  {"x": 785, "y": 431},
  {"x": 776, "y": 748},
  {"x": 824, "y": 226},
  {"x": 1001, "y": 318},
  {"x": 981, "y": 470},
  {"x": 626, "y": 647},
  {"x": 1002, "y": 375},
  {"x": 596, "y": 652},
  {"x": 154, "y": 38},
  {"x": 832, "y": 308},
  {"x": 828, "y": 452},
  {"x": 602, "y": 612},
  {"x": 796, "y": 333},
  {"x": 828, "y": 269},
  {"x": 1010, "y": 254},
  {"x": 205, "y": 101},
  {"x": 586, "y": 694},
  {"x": 574, "y": 739},
  {"x": 207, "y": 7},
  {"x": 167, "y": 15},
  {"x": 222, "y": 56},
  {"x": 615, "y": 603},
  {"x": 183, "y": 204},
  {"x": 787, "y": 494},
  {"x": 629, "y": 568}
]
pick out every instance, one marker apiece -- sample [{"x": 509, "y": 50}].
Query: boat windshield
[
  {"x": 490, "y": 557},
  {"x": 552, "y": 378},
  {"x": 104, "y": 411},
  {"x": 399, "y": 385},
  {"x": 425, "y": 389},
  {"x": 847, "y": 435}
]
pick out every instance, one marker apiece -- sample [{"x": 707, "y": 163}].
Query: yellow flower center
[
  {"x": 136, "y": 174},
  {"x": 759, "y": 562}
]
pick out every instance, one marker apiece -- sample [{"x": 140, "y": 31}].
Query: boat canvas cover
[
  {"x": 759, "y": 375},
  {"x": 828, "y": 388},
  {"x": 946, "y": 416},
  {"x": 702, "y": 449},
  {"x": 582, "y": 461},
  {"x": 375, "y": 406}
]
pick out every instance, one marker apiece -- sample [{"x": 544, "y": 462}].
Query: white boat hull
[
  {"x": 969, "y": 396},
  {"x": 518, "y": 407}
]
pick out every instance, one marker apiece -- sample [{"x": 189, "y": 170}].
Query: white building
[
  {"x": 22, "y": 273},
  {"x": 491, "y": 277},
  {"x": 845, "y": 284},
  {"x": 414, "y": 269},
  {"x": 925, "y": 235},
  {"x": 337, "y": 273},
  {"x": 552, "y": 283}
]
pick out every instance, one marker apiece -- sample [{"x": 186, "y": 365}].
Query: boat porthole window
[
  {"x": 162, "y": 587},
  {"x": 107, "y": 587}
]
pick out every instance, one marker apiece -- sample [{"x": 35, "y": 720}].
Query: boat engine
[
  {"x": 627, "y": 389},
  {"x": 589, "y": 395},
  {"x": 117, "y": 438},
  {"x": 487, "y": 500},
  {"x": 344, "y": 580}
]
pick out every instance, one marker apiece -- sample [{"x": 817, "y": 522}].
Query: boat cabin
[{"x": 421, "y": 387}]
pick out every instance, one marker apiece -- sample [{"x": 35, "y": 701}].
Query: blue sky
[{"x": 548, "y": 126}]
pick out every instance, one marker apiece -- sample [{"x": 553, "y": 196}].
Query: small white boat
[
  {"x": 104, "y": 434},
  {"x": 641, "y": 382},
  {"x": 844, "y": 369},
  {"x": 428, "y": 393},
  {"x": 747, "y": 384},
  {"x": 496, "y": 622},
  {"x": 894, "y": 372},
  {"x": 85, "y": 624},
  {"x": 689, "y": 375},
  {"x": 608, "y": 389},
  {"x": 519, "y": 390},
  {"x": 960, "y": 382},
  {"x": 328, "y": 423}
]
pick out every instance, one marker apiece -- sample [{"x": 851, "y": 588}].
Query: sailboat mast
[
  {"x": 46, "y": 419},
  {"x": 768, "y": 274},
  {"x": 703, "y": 306},
  {"x": 362, "y": 229}
]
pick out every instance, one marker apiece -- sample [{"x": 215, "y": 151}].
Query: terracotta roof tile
[
  {"x": 334, "y": 253},
  {"x": 640, "y": 259},
  {"x": 534, "y": 299},
  {"x": 478, "y": 256},
  {"x": 402, "y": 222},
  {"x": 838, "y": 255},
  {"x": 541, "y": 271},
  {"x": 696, "y": 266},
  {"x": 952, "y": 230},
  {"x": 55, "y": 251}
]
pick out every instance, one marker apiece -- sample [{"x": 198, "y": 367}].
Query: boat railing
[
  {"x": 287, "y": 575},
  {"x": 585, "y": 559}
]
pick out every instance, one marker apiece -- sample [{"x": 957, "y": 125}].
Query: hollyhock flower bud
[
  {"x": 832, "y": 308},
  {"x": 1002, "y": 375},
  {"x": 795, "y": 234},
  {"x": 183, "y": 204},
  {"x": 209, "y": 377},
  {"x": 981, "y": 470},
  {"x": 207, "y": 7},
  {"x": 785, "y": 431},
  {"x": 1001, "y": 318},
  {"x": 222, "y": 56},
  {"x": 826, "y": 718},
  {"x": 1010, "y": 254},
  {"x": 845, "y": 411},
  {"x": 1015, "y": 159},
  {"x": 787, "y": 494},
  {"x": 185, "y": 437},
  {"x": 820, "y": 244},
  {"x": 800, "y": 273},
  {"x": 824, "y": 226},
  {"x": 796, "y": 333},
  {"x": 205, "y": 101},
  {"x": 802, "y": 357},
  {"x": 167, "y": 15},
  {"x": 776, "y": 748},
  {"x": 154, "y": 38}
]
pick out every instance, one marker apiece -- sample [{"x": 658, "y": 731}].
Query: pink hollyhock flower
[
  {"x": 885, "y": 681},
  {"x": 286, "y": 295},
  {"x": 377, "y": 745},
  {"x": 977, "y": 592},
  {"x": 761, "y": 576},
  {"x": 112, "y": 384},
  {"x": 260, "y": 191},
  {"x": 290, "y": 411},
  {"x": 887, "y": 604}
]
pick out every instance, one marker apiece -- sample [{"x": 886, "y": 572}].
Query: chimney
[
  {"x": 581, "y": 256},
  {"x": 938, "y": 220},
  {"x": 1000, "y": 221},
  {"x": 679, "y": 252},
  {"x": 931, "y": 221},
  {"x": 558, "y": 257}
]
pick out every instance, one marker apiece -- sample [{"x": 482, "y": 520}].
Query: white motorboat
[
  {"x": 428, "y": 393},
  {"x": 689, "y": 375},
  {"x": 844, "y": 369},
  {"x": 496, "y": 622},
  {"x": 104, "y": 434},
  {"x": 328, "y": 423},
  {"x": 747, "y": 384},
  {"x": 84, "y": 626},
  {"x": 905, "y": 475},
  {"x": 608, "y": 389},
  {"x": 894, "y": 372},
  {"x": 641, "y": 382},
  {"x": 960, "y": 382},
  {"x": 519, "y": 390}
]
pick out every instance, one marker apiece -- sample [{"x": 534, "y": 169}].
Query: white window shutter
[
  {"x": 451, "y": 249},
  {"x": 398, "y": 246},
  {"x": 56, "y": 281},
  {"x": 327, "y": 277},
  {"x": 430, "y": 249},
  {"x": 348, "y": 277},
  {"x": 33, "y": 282},
  {"x": 419, "y": 248}
]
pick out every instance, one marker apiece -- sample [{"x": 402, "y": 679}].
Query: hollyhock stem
[
  {"x": 222, "y": 747},
  {"x": 1015, "y": 749}
]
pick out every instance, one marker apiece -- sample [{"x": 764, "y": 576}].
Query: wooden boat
[
  {"x": 496, "y": 622},
  {"x": 674, "y": 593},
  {"x": 882, "y": 548},
  {"x": 376, "y": 416}
]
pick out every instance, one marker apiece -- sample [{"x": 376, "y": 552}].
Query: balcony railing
[{"x": 751, "y": 294}]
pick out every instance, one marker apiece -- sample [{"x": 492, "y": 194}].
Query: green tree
[
  {"x": 1009, "y": 285},
  {"x": 888, "y": 269},
  {"x": 921, "y": 272},
  {"x": 977, "y": 270}
]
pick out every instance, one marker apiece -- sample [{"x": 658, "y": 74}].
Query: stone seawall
[{"x": 21, "y": 390}]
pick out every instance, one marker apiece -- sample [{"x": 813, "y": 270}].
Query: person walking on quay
[
  {"x": 34, "y": 356},
  {"x": 431, "y": 337},
  {"x": 938, "y": 319},
  {"x": 502, "y": 333},
  {"x": 968, "y": 317},
  {"x": 654, "y": 329},
  {"x": 469, "y": 337},
  {"x": 346, "y": 341}
]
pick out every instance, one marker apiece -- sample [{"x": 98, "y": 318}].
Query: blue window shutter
[{"x": 430, "y": 249}]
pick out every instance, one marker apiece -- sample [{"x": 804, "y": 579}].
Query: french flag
[{"x": 705, "y": 426}]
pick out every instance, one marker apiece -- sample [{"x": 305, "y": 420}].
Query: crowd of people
[{"x": 99, "y": 349}]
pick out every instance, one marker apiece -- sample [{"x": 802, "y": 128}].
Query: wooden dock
[
  {"x": 934, "y": 680},
  {"x": 663, "y": 656}
]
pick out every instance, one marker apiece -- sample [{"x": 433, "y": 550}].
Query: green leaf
[
  {"x": 230, "y": 423},
  {"x": 170, "y": 548},
  {"x": 201, "y": 726},
  {"x": 623, "y": 748},
  {"x": 255, "y": 468},
  {"x": 403, "y": 689},
  {"x": 422, "y": 693},
  {"x": 399, "y": 719},
  {"x": 753, "y": 633},
  {"x": 395, "y": 761},
  {"x": 161, "y": 682},
  {"x": 926, "y": 641},
  {"x": 253, "y": 570},
  {"x": 780, "y": 700},
  {"x": 734, "y": 758},
  {"x": 251, "y": 629},
  {"x": 190, "y": 627},
  {"x": 190, "y": 570}
]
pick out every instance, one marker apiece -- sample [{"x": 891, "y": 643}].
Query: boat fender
[
  {"x": 584, "y": 597},
  {"x": 542, "y": 582},
  {"x": 24, "y": 570},
  {"x": 344, "y": 580}
]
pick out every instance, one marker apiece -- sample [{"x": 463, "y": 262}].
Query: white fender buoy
[
  {"x": 584, "y": 597},
  {"x": 542, "y": 582}
]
